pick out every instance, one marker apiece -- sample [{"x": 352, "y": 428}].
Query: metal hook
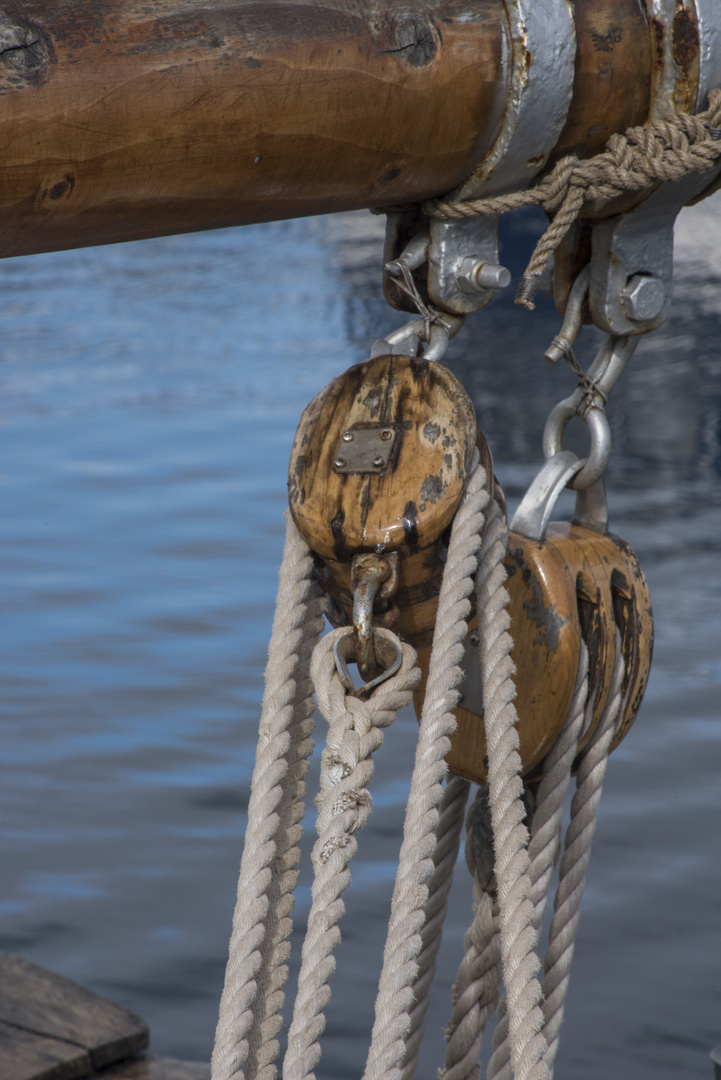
[
  {"x": 388, "y": 653},
  {"x": 534, "y": 513},
  {"x": 587, "y": 401},
  {"x": 562, "y": 344},
  {"x": 532, "y": 516},
  {"x": 371, "y": 575}
]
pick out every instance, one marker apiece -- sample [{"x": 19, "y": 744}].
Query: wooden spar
[
  {"x": 160, "y": 116},
  {"x": 124, "y": 119}
]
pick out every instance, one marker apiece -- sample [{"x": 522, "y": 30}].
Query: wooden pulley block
[
  {"x": 575, "y": 584},
  {"x": 613, "y": 598},
  {"x": 378, "y": 465}
]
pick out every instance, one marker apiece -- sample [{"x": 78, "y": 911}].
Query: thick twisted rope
[
  {"x": 661, "y": 150},
  {"x": 545, "y": 841},
  {"x": 445, "y": 856},
  {"x": 344, "y": 804},
  {"x": 399, "y": 992},
  {"x": 518, "y": 934},
  {"x": 475, "y": 991},
  {"x": 572, "y": 875},
  {"x": 245, "y": 1042}
]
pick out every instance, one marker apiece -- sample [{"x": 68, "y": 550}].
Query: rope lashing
[{"x": 661, "y": 150}]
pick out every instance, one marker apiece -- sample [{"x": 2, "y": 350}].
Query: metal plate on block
[{"x": 364, "y": 449}]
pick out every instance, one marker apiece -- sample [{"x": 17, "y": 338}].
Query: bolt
[
  {"x": 643, "y": 297},
  {"x": 339, "y": 462},
  {"x": 378, "y": 461},
  {"x": 386, "y": 434},
  {"x": 347, "y": 436},
  {"x": 475, "y": 639},
  {"x": 474, "y": 275},
  {"x": 493, "y": 276}
]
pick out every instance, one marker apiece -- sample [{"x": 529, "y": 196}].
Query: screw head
[
  {"x": 347, "y": 436},
  {"x": 378, "y": 461},
  {"x": 386, "y": 434},
  {"x": 475, "y": 639},
  {"x": 339, "y": 462},
  {"x": 643, "y": 297}
]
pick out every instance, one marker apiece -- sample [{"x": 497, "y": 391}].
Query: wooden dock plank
[
  {"x": 44, "y": 1004},
  {"x": 25, "y": 1055}
]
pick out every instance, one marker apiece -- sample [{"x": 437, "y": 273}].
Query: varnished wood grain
[
  {"x": 38, "y": 1001},
  {"x": 574, "y": 584},
  {"x": 404, "y": 509},
  {"x": 615, "y": 59},
  {"x": 407, "y": 506},
  {"x": 546, "y": 650},
  {"x": 122, "y": 119},
  {"x": 132, "y": 118},
  {"x": 612, "y": 578}
]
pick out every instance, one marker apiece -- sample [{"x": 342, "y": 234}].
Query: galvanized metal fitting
[
  {"x": 476, "y": 275},
  {"x": 372, "y": 576},
  {"x": 643, "y": 297}
]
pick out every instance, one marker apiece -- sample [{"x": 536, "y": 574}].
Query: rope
[
  {"x": 403, "y": 986},
  {"x": 572, "y": 876},
  {"x": 355, "y": 732},
  {"x": 252, "y": 996},
  {"x": 517, "y": 931},
  {"x": 545, "y": 840},
  {"x": 445, "y": 856},
  {"x": 475, "y": 991},
  {"x": 660, "y": 151},
  {"x": 510, "y": 875}
]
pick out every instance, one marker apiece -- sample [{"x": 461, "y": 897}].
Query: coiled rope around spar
[
  {"x": 662, "y": 150},
  {"x": 250, "y": 1021}
]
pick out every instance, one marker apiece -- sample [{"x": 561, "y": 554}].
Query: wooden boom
[{"x": 123, "y": 119}]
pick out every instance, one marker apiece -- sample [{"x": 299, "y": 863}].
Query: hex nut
[
  {"x": 643, "y": 297},
  {"x": 475, "y": 275}
]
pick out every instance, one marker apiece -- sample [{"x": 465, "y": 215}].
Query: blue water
[{"x": 150, "y": 393}]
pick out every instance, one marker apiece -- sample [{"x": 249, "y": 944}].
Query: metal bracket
[
  {"x": 632, "y": 253},
  {"x": 632, "y": 259},
  {"x": 458, "y": 253},
  {"x": 542, "y": 54},
  {"x": 364, "y": 449}
]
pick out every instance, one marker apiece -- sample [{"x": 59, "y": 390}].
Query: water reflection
[{"x": 150, "y": 395}]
